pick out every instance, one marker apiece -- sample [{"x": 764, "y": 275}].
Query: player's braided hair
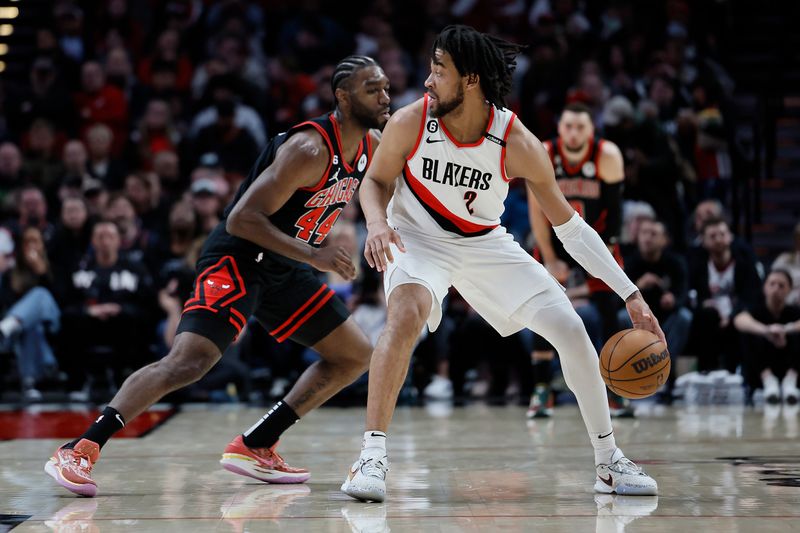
[
  {"x": 491, "y": 58},
  {"x": 346, "y": 68}
]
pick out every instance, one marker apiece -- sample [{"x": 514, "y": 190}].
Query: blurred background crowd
[{"x": 126, "y": 127}]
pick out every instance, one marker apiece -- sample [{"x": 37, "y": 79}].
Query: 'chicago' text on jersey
[
  {"x": 340, "y": 192},
  {"x": 455, "y": 175}
]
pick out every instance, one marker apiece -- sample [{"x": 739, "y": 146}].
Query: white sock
[
  {"x": 9, "y": 325},
  {"x": 374, "y": 443},
  {"x": 603, "y": 448}
]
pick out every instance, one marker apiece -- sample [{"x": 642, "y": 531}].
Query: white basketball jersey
[{"x": 453, "y": 189}]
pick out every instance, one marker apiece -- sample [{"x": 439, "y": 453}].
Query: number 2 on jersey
[
  {"x": 308, "y": 224},
  {"x": 469, "y": 197}
]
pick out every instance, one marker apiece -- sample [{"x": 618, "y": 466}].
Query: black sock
[
  {"x": 268, "y": 430},
  {"x": 101, "y": 430},
  {"x": 542, "y": 372}
]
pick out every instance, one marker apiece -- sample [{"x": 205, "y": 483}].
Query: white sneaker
[
  {"x": 789, "y": 389},
  {"x": 366, "y": 480},
  {"x": 622, "y": 476},
  {"x": 440, "y": 388},
  {"x": 772, "y": 389}
]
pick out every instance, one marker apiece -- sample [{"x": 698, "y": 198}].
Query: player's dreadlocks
[
  {"x": 491, "y": 58},
  {"x": 346, "y": 68}
]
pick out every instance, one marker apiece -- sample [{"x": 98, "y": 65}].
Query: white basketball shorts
[{"x": 492, "y": 272}]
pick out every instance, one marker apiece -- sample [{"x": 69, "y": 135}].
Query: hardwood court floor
[{"x": 469, "y": 469}]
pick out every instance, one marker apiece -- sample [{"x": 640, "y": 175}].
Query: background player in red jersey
[
  {"x": 590, "y": 172},
  {"x": 256, "y": 262}
]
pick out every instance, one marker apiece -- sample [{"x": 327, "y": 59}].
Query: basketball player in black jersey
[
  {"x": 590, "y": 172},
  {"x": 257, "y": 262}
]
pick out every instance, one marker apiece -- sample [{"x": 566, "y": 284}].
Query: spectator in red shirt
[
  {"x": 101, "y": 102},
  {"x": 168, "y": 50}
]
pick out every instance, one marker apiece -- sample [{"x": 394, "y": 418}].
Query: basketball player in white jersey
[{"x": 454, "y": 152}]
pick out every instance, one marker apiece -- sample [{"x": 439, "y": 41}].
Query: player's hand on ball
[
  {"x": 334, "y": 259},
  {"x": 642, "y": 317},
  {"x": 377, "y": 251}
]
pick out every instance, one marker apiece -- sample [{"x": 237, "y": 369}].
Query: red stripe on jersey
[
  {"x": 324, "y": 179},
  {"x": 369, "y": 150},
  {"x": 308, "y": 315},
  {"x": 430, "y": 199},
  {"x": 421, "y": 127},
  {"x": 476, "y": 143},
  {"x": 503, "y": 151},
  {"x": 568, "y": 168},
  {"x": 296, "y": 313},
  {"x": 338, "y": 134}
]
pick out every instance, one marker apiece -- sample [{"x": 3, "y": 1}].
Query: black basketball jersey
[
  {"x": 580, "y": 183},
  {"x": 585, "y": 191},
  {"x": 310, "y": 213}
]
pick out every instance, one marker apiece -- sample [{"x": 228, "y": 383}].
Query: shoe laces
[
  {"x": 78, "y": 457},
  {"x": 374, "y": 467},
  {"x": 269, "y": 454},
  {"x": 626, "y": 466}
]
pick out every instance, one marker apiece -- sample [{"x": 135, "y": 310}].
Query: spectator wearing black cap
[
  {"x": 207, "y": 203},
  {"x": 221, "y": 88},
  {"x": 234, "y": 146}
]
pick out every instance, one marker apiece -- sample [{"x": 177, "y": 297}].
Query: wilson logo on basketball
[{"x": 649, "y": 362}]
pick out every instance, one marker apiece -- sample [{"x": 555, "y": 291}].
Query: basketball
[{"x": 634, "y": 363}]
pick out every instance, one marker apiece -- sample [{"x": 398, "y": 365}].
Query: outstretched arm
[{"x": 527, "y": 158}]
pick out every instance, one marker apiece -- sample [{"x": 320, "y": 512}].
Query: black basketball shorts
[{"x": 290, "y": 302}]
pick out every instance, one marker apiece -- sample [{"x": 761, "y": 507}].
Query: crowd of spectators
[{"x": 136, "y": 122}]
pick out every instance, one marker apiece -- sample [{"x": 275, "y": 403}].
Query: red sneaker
[
  {"x": 72, "y": 468},
  {"x": 263, "y": 464}
]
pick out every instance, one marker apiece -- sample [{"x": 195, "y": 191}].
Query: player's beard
[
  {"x": 575, "y": 150},
  {"x": 444, "y": 107},
  {"x": 365, "y": 116}
]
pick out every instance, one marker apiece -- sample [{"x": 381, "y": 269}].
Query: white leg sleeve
[{"x": 556, "y": 321}]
